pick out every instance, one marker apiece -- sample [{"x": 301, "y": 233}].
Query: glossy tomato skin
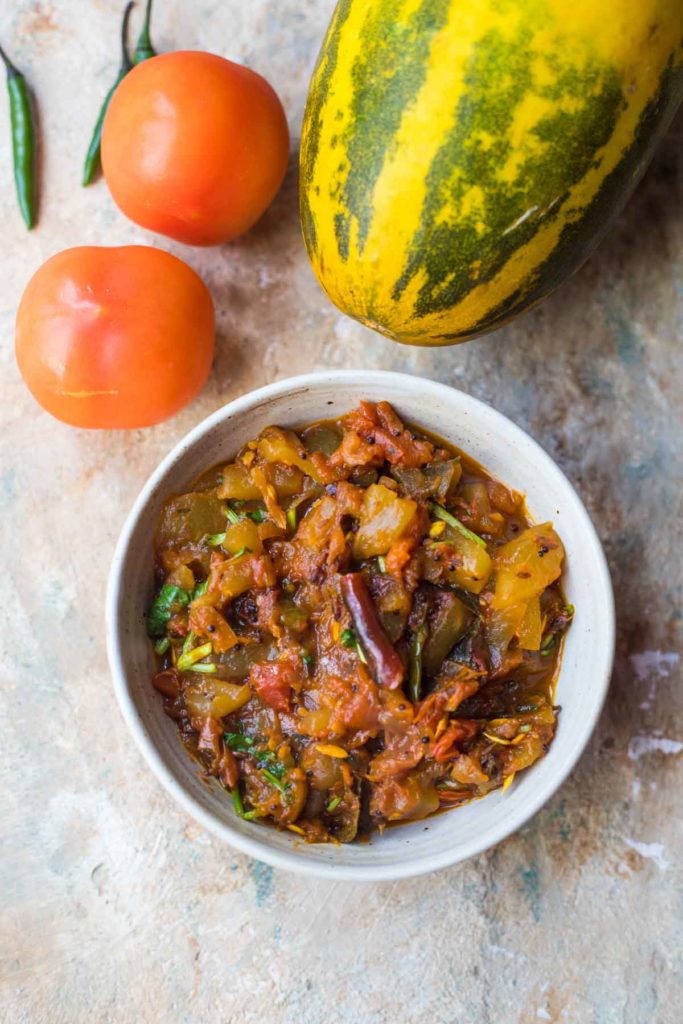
[
  {"x": 194, "y": 147},
  {"x": 115, "y": 337}
]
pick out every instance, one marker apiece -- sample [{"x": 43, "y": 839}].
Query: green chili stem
[
  {"x": 11, "y": 68},
  {"x": 143, "y": 48},
  {"x": 23, "y": 140},
  {"x": 415, "y": 675},
  {"x": 92, "y": 158}
]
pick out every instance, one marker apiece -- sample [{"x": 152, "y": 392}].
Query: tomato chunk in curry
[{"x": 356, "y": 625}]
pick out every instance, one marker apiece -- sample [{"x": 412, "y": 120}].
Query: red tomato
[
  {"x": 194, "y": 147},
  {"x": 115, "y": 337},
  {"x": 273, "y": 683}
]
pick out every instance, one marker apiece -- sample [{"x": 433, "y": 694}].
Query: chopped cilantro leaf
[
  {"x": 257, "y": 515},
  {"x": 238, "y": 741},
  {"x": 162, "y": 608},
  {"x": 348, "y": 637}
]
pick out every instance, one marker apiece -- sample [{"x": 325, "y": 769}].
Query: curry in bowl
[{"x": 356, "y": 625}]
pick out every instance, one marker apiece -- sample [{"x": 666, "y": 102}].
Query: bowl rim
[{"x": 291, "y": 860}]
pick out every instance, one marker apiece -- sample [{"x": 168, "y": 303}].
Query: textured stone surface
[{"x": 117, "y": 908}]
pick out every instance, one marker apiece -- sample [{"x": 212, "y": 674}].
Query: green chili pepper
[
  {"x": 92, "y": 158},
  {"x": 143, "y": 48},
  {"x": 415, "y": 673},
  {"x": 22, "y": 139}
]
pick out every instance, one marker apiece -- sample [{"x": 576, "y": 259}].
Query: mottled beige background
[{"x": 116, "y": 907}]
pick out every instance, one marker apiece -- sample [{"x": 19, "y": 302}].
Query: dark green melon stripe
[
  {"x": 578, "y": 239},
  {"x": 386, "y": 78},
  {"x": 327, "y": 60},
  {"x": 489, "y": 104}
]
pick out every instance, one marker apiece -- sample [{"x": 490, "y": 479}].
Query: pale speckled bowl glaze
[{"x": 509, "y": 454}]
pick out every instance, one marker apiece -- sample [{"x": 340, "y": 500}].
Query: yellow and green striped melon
[{"x": 461, "y": 158}]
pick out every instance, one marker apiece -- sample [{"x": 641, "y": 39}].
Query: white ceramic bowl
[{"x": 508, "y": 453}]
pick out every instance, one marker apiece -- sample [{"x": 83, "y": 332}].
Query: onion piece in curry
[{"x": 356, "y": 625}]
